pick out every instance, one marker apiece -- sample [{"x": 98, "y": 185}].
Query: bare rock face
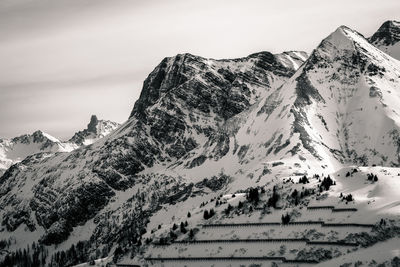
[
  {"x": 387, "y": 34},
  {"x": 387, "y": 38},
  {"x": 92, "y": 124}
]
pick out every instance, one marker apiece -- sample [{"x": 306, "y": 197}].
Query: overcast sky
[{"x": 61, "y": 61}]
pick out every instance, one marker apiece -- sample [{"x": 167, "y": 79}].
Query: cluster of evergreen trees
[
  {"x": 326, "y": 183},
  {"x": 253, "y": 195},
  {"x": 36, "y": 255},
  {"x": 228, "y": 209},
  {"x": 351, "y": 173},
  {"x": 304, "y": 180},
  {"x": 348, "y": 197},
  {"x": 74, "y": 255},
  {"x": 182, "y": 227},
  {"x": 208, "y": 214},
  {"x": 296, "y": 196},
  {"x": 372, "y": 177},
  {"x": 31, "y": 256}
]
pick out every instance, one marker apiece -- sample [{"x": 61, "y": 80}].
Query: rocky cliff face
[{"x": 387, "y": 38}]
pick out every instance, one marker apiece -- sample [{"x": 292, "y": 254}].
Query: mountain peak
[
  {"x": 387, "y": 38},
  {"x": 342, "y": 38},
  {"x": 95, "y": 130},
  {"x": 185, "y": 75},
  {"x": 343, "y": 44},
  {"x": 92, "y": 124},
  {"x": 387, "y": 34}
]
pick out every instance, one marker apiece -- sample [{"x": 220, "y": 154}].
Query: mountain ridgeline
[
  {"x": 18, "y": 148},
  {"x": 204, "y": 125}
]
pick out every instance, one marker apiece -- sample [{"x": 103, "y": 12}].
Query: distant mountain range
[
  {"x": 254, "y": 139},
  {"x": 18, "y": 148}
]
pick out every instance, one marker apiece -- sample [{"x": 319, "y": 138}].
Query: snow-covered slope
[
  {"x": 387, "y": 38},
  {"x": 340, "y": 107}
]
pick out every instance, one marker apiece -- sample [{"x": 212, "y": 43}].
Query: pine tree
[
  {"x": 191, "y": 234},
  {"x": 183, "y": 229},
  {"x": 228, "y": 209},
  {"x": 205, "y": 215},
  {"x": 285, "y": 219},
  {"x": 211, "y": 213}
]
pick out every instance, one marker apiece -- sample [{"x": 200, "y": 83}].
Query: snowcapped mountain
[
  {"x": 184, "y": 102},
  {"x": 210, "y": 134},
  {"x": 320, "y": 118},
  {"x": 387, "y": 38},
  {"x": 95, "y": 130},
  {"x": 18, "y": 148}
]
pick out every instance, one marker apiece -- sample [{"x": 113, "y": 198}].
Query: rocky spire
[{"x": 92, "y": 124}]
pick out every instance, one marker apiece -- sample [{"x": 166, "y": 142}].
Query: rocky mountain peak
[
  {"x": 346, "y": 47},
  {"x": 92, "y": 124},
  {"x": 387, "y": 34},
  {"x": 95, "y": 130},
  {"x": 387, "y": 38},
  {"x": 185, "y": 76},
  {"x": 339, "y": 43}
]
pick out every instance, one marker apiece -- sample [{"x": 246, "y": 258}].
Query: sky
[{"x": 62, "y": 61}]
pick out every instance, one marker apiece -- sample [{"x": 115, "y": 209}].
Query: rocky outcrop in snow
[{"x": 387, "y": 38}]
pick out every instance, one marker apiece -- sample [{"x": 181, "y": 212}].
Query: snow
[
  {"x": 379, "y": 253},
  {"x": 392, "y": 50},
  {"x": 51, "y": 138}
]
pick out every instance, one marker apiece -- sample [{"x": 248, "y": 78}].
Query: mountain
[
  {"x": 332, "y": 105},
  {"x": 95, "y": 130},
  {"x": 320, "y": 119},
  {"x": 18, "y": 148},
  {"x": 183, "y": 103},
  {"x": 244, "y": 143},
  {"x": 387, "y": 38}
]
